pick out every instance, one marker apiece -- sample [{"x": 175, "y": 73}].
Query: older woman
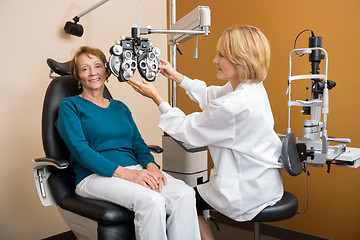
[
  {"x": 236, "y": 123},
  {"x": 112, "y": 162}
]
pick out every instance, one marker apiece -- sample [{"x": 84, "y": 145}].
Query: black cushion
[
  {"x": 59, "y": 68},
  {"x": 290, "y": 155},
  {"x": 283, "y": 209}
]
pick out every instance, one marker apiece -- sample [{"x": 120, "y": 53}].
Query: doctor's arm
[
  {"x": 214, "y": 126},
  {"x": 195, "y": 89}
]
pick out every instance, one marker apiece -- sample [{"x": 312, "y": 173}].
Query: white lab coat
[{"x": 237, "y": 127}]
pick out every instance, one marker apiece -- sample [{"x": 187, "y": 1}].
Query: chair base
[
  {"x": 256, "y": 231},
  {"x": 88, "y": 229},
  {"x": 83, "y": 228}
]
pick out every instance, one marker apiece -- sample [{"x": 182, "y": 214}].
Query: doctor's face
[{"x": 226, "y": 70}]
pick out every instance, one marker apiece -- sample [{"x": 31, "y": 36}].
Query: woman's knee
[
  {"x": 155, "y": 201},
  {"x": 187, "y": 192}
]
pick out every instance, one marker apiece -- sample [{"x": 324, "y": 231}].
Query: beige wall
[
  {"x": 333, "y": 202},
  {"x": 31, "y": 31}
]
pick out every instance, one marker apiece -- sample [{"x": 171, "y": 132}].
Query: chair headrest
[
  {"x": 58, "y": 67},
  {"x": 290, "y": 155}
]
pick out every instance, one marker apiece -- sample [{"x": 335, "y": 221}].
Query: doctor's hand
[
  {"x": 169, "y": 72},
  {"x": 146, "y": 89}
]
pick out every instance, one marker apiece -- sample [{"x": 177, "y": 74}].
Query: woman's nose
[
  {"x": 92, "y": 71},
  {"x": 214, "y": 60}
]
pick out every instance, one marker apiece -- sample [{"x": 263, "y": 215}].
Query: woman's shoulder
[
  {"x": 119, "y": 104},
  {"x": 70, "y": 100}
]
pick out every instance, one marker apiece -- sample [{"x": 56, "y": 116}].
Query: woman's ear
[{"x": 108, "y": 69}]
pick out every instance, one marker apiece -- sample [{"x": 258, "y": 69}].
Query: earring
[
  {"x": 107, "y": 80},
  {"x": 79, "y": 85}
]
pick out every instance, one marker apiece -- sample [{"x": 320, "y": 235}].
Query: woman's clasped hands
[{"x": 151, "y": 177}]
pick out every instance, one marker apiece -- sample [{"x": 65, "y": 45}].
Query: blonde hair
[
  {"x": 249, "y": 50},
  {"x": 89, "y": 51}
]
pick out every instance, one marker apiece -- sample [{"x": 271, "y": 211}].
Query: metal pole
[
  {"x": 92, "y": 8},
  {"x": 193, "y": 32},
  {"x": 173, "y": 53}
]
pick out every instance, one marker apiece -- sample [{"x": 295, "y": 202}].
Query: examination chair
[
  {"x": 287, "y": 206},
  {"x": 54, "y": 178}
]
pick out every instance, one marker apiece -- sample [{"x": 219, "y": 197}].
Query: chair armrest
[
  {"x": 155, "y": 149},
  {"x": 38, "y": 163},
  {"x": 103, "y": 212}
]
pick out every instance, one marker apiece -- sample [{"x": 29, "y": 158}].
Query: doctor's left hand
[
  {"x": 146, "y": 89},
  {"x": 161, "y": 179}
]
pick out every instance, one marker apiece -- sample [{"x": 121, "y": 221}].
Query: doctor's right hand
[{"x": 169, "y": 72}]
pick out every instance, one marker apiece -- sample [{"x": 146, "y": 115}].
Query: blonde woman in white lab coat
[{"x": 236, "y": 123}]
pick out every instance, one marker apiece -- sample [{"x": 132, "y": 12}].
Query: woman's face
[
  {"x": 226, "y": 70},
  {"x": 92, "y": 72}
]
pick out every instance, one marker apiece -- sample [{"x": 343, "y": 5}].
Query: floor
[{"x": 227, "y": 232}]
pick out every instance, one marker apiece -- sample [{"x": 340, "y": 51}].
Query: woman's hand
[
  {"x": 161, "y": 179},
  {"x": 146, "y": 89},
  {"x": 143, "y": 177},
  {"x": 169, "y": 72}
]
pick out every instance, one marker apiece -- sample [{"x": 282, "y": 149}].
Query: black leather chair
[
  {"x": 54, "y": 178},
  {"x": 287, "y": 206}
]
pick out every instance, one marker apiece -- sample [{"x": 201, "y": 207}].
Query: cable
[
  {"x": 306, "y": 191},
  {"x": 312, "y": 34}
]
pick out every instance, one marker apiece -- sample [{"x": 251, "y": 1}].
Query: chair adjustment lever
[{"x": 39, "y": 174}]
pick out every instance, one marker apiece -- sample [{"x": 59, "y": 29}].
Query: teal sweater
[{"x": 100, "y": 139}]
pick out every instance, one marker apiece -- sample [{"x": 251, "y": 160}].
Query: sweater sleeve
[
  {"x": 139, "y": 147},
  {"x": 70, "y": 129}
]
